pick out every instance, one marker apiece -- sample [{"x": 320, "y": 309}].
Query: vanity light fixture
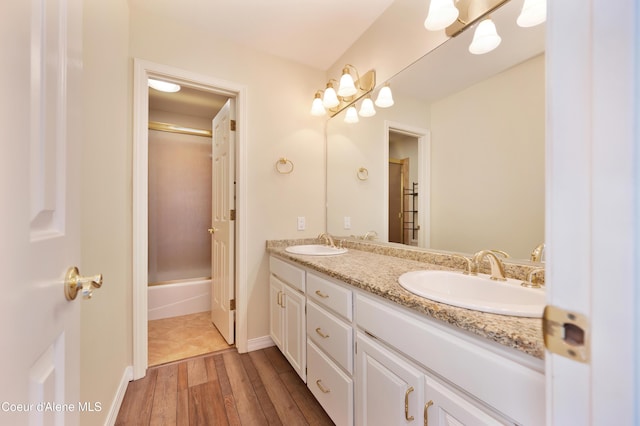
[
  {"x": 385, "y": 97},
  {"x": 485, "y": 38},
  {"x": 352, "y": 115},
  {"x": 348, "y": 93},
  {"x": 442, "y": 13},
  {"x": 534, "y": 12},
  {"x": 163, "y": 86},
  {"x": 366, "y": 107}
]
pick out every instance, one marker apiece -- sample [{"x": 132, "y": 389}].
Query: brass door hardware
[
  {"x": 74, "y": 281},
  {"x": 426, "y": 412},
  {"x": 212, "y": 230},
  {"x": 566, "y": 333},
  {"x": 406, "y": 404}
]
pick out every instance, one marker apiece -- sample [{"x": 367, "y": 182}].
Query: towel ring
[
  {"x": 281, "y": 166},
  {"x": 362, "y": 173}
]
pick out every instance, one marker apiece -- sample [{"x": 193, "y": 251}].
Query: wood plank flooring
[{"x": 223, "y": 388}]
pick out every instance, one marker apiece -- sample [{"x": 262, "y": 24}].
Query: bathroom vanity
[{"x": 374, "y": 354}]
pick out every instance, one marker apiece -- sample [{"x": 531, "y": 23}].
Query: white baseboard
[
  {"x": 259, "y": 343},
  {"x": 127, "y": 376}
]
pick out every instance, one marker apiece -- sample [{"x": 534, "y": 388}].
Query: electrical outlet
[
  {"x": 347, "y": 222},
  {"x": 301, "y": 223}
]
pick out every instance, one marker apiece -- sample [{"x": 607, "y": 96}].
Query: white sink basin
[
  {"x": 476, "y": 292},
  {"x": 315, "y": 250}
]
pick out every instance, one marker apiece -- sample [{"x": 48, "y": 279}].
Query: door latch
[{"x": 566, "y": 333}]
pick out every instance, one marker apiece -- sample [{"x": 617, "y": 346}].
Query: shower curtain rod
[{"x": 174, "y": 128}]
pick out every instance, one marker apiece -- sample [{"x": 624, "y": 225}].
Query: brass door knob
[
  {"x": 74, "y": 282},
  {"x": 212, "y": 230}
]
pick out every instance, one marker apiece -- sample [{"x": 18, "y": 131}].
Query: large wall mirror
[{"x": 457, "y": 164}]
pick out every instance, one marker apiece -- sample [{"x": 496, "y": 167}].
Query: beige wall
[
  {"x": 494, "y": 132},
  {"x": 106, "y": 339},
  {"x": 279, "y": 94}
]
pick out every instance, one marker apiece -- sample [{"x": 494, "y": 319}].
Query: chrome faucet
[
  {"x": 529, "y": 283},
  {"x": 497, "y": 267},
  {"x": 536, "y": 254},
  {"x": 327, "y": 238}
]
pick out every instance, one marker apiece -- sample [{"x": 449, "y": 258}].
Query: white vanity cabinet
[
  {"x": 330, "y": 347},
  {"x": 287, "y": 312}
]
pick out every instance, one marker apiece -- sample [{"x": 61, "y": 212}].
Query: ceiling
[{"x": 311, "y": 32}]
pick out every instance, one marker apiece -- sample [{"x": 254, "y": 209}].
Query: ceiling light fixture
[
  {"x": 163, "y": 86},
  {"x": 349, "y": 91}
]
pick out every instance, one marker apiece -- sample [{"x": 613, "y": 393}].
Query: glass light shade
[
  {"x": 330, "y": 99},
  {"x": 163, "y": 86},
  {"x": 485, "y": 39},
  {"x": 534, "y": 12},
  {"x": 352, "y": 115},
  {"x": 347, "y": 87},
  {"x": 442, "y": 13},
  {"x": 317, "y": 109},
  {"x": 366, "y": 108},
  {"x": 385, "y": 97}
]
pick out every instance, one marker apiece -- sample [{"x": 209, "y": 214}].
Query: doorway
[{"x": 142, "y": 72}]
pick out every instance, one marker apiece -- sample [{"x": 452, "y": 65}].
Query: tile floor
[{"x": 171, "y": 339}]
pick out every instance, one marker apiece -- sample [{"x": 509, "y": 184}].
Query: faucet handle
[{"x": 529, "y": 283}]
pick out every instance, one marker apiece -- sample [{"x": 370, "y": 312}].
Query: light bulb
[
  {"x": 533, "y": 12},
  {"x": 352, "y": 115},
  {"x": 385, "y": 97},
  {"x": 442, "y": 13},
  {"x": 485, "y": 39},
  {"x": 347, "y": 87},
  {"x": 330, "y": 99},
  {"x": 317, "y": 109},
  {"x": 367, "y": 109},
  {"x": 163, "y": 86}
]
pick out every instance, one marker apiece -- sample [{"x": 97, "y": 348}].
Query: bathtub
[{"x": 177, "y": 298}]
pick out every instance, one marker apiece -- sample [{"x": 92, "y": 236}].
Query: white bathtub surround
[{"x": 179, "y": 298}]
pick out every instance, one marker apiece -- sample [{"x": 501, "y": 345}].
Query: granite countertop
[{"x": 378, "y": 274}]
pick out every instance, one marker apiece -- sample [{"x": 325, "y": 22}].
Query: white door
[
  {"x": 41, "y": 49},
  {"x": 222, "y": 227},
  {"x": 592, "y": 212}
]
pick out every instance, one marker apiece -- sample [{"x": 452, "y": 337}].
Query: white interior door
[
  {"x": 222, "y": 227},
  {"x": 40, "y": 223}
]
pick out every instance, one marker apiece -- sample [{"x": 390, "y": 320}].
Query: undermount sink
[
  {"x": 478, "y": 293},
  {"x": 315, "y": 250}
]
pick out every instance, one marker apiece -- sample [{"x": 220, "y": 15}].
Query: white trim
[
  {"x": 142, "y": 71},
  {"x": 259, "y": 343},
  {"x": 424, "y": 176},
  {"x": 127, "y": 376}
]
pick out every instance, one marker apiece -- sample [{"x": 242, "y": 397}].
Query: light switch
[
  {"x": 347, "y": 222},
  {"x": 301, "y": 223}
]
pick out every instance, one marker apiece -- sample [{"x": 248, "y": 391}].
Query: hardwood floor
[{"x": 223, "y": 388}]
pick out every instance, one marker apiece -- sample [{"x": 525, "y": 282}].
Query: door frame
[
  {"x": 424, "y": 176},
  {"x": 142, "y": 71}
]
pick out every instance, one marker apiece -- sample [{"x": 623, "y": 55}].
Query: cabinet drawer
[
  {"x": 330, "y": 295},
  {"x": 288, "y": 273},
  {"x": 331, "y": 334},
  {"x": 332, "y": 388}
]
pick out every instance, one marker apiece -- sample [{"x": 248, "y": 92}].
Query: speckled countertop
[{"x": 378, "y": 274}]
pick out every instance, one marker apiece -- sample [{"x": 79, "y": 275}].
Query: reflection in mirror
[{"x": 478, "y": 124}]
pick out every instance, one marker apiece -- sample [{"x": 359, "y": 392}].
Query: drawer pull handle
[
  {"x": 319, "y": 331},
  {"x": 426, "y": 412},
  {"x": 322, "y": 388},
  {"x": 406, "y": 404},
  {"x": 321, "y": 294}
]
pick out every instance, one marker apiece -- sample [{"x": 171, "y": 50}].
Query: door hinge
[
  {"x": 232, "y": 125},
  {"x": 232, "y": 214},
  {"x": 232, "y": 304},
  {"x": 566, "y": 333}
]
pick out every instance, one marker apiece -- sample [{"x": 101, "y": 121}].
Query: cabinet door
[
  {"x": 295, "y": 330},
  {"x": 389, "y": 390},
  {"x": 445, "y": 406},
  {"x": 276, "y": 326}
]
